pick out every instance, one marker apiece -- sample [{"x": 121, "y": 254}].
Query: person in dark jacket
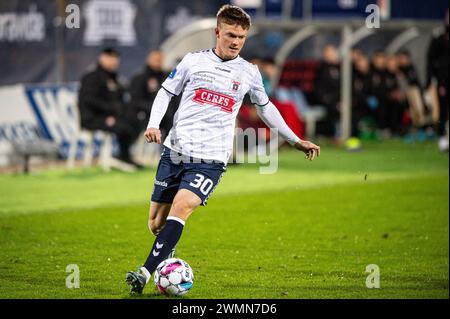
[
  {"x": 360, "y": 91},
  {"x": 437, "y": 70},
  {"x": 377, "y": 99},
  {"x": 329, "y": 89},
  {"x": 394, "y": 97},
  {"x": 143, "y": 89},
  {"x": 407, "y": 68},
  {"x": 101, "y": 103}
]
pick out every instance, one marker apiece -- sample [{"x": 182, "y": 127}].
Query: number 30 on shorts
[{"x": 204, "y": 185}]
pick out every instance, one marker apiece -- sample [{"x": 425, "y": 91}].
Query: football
[{"x": 174, "y": 277}]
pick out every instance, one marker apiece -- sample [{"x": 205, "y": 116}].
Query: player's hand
[
  {"x": 310, "y": 149},
  {"x": 153, "y": 135}
]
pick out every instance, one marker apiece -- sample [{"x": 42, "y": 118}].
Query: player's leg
[
  {"x": 157, "y": 215},
  {"x": 184, "y": 203},
  {"x": 157, "y": 219},
  {"x": 165, "y": 188},
  {"x": 198, "y": 182}
]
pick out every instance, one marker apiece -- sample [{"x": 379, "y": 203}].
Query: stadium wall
[
  {"x": 37, "y": 112},
  {"x": 37, "y": 45}
]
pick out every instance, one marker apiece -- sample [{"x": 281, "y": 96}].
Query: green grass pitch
[{"x": 308, "y": 231}]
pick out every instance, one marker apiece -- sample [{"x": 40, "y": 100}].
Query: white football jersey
[{"x": 213, "y": 90}]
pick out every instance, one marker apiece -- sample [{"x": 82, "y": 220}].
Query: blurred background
[{"x": 344, "y": 70}]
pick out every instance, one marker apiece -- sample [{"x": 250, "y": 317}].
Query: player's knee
[{"x": 181, "y": 209}]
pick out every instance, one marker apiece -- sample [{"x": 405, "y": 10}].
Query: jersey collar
[{"x": 213, "y": 51}]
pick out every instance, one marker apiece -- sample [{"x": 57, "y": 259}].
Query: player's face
[{"x": 230, "y": 40}]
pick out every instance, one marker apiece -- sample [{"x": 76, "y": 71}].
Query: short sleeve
[
  {"x": 257, "y": 92},
  {"x": 174, "y": 83}
]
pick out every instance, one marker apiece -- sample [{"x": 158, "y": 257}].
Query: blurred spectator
[
  {"x": 287, "y": 108},
  {"x": 248, "y": 116},
  {"x": 101, "y": 101},
  {"x": 406, "y": 68},
  {"x": 143, "y": 89},
  {"x": 395, "y": 105},
  {"x": 268, "y": 69},
  {"x": 437, "y": 70},
  {"x": 328, "y": 89},
  {"x": 410, "y": 85},
  {"x": 360, "y": 91},
  {"x": 377, "y": 99},
  {"x": 356, "y": 55}
]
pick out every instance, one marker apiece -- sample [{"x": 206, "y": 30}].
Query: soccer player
[{"x": 213, "y": 84}]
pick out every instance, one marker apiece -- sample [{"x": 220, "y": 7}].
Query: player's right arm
[
  {"x": 159, "y": 108},
  {"x": 173, "y": 85}
]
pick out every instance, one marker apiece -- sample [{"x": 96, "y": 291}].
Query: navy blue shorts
[{"x": 176, "y": 171}]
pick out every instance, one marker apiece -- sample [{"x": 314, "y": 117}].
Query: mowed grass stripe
[
  {"x": 60, "y": 191},
  {"x": 56, "y": 202}
]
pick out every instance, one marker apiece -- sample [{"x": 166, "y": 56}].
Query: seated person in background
[
  {"x": 377, "y": 99},
  {"x": 406, "y": 68},
  {"x": 412, "y": 90},
  {"x": 328, "y": 89},
  {"x": 101, "y": 103},
  {"x": 287, "y": 109},
  {"x": 248, "y": 117},
  {"x": 268, "y": 70},
  {"x": 355, "y": 56},
  {"x": 360, "y": 91},
  {"x": 394, "y": 97}
]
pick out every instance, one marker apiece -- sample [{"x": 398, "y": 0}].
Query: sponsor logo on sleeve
[{"x": 172, "y": 74}]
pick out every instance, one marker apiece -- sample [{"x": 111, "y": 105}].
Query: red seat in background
[{"x": 249, "y": 119}]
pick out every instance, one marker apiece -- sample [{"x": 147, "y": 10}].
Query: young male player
[{"x": 213, "y": 83}]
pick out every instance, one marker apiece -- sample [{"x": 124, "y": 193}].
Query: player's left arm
[{"x": 273, "y": 119}]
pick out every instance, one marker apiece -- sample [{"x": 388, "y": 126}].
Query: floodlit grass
[{"x": 307, "y": 231}]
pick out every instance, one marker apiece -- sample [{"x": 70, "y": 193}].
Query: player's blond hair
[{"x": 233, "y": 15}]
